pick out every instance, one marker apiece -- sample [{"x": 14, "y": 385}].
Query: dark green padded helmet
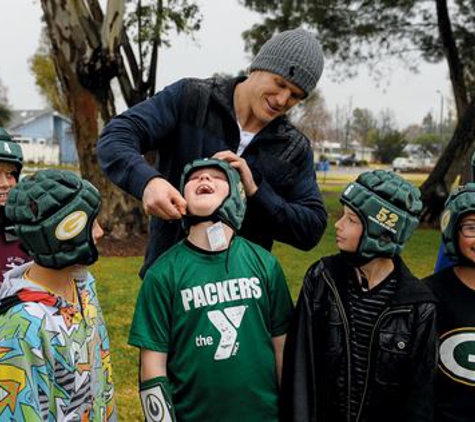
[
  {"x": 389, "y": 209},
  {"x": 10, "y": 151},
  {"x": 459, "y": 203},
  {"x": 53, "y": 212},
  {"x": 233, "y": 208}
]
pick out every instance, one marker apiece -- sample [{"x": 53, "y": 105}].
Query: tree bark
[
  {"x": 436, "y": 188},
  {"x": 454, "y": 161}
]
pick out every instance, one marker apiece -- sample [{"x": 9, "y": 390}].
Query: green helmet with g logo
[
  {"x": 233, "y": 208},
  {"x": 10, "y": 151},
  {"x": 389, "y": 209},
  {"x": 459, "y": 203},
  {"x": 53, "y": 212}
]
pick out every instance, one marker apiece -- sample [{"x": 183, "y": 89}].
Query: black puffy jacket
[
  {"x": 317, "y": 366},
  {"x": 194, "y": 118}
]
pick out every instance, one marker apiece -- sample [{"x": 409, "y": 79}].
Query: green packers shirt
[{"x": 215, "y": 315}]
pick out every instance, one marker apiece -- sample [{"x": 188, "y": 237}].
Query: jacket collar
[
  {"x": 222, "y": 91},
  {"x": 409, "y": 290}
]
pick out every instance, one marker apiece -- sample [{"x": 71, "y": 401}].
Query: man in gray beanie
[{"x": 241, "y": 120}]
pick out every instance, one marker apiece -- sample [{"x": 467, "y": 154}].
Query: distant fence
[{"x": 40, "y": 154}]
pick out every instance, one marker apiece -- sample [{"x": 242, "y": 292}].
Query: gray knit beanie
[{"x": 295, "y": 55}]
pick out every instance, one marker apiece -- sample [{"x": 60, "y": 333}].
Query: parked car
[
  {"x": 413, "y": 164},
  {"x": 350, "y": 161}
]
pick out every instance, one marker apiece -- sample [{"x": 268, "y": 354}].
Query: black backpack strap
[{"x": 9, "y": 302}]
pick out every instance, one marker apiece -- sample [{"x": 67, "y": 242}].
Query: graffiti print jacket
[{"x": 54, "y": 355}]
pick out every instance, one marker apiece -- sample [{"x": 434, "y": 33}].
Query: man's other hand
[
  {"x": 162, "y": 200},
  {"x": 241, "y": 166}
]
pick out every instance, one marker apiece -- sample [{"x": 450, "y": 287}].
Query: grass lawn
[{"x": 118, "y": 285}]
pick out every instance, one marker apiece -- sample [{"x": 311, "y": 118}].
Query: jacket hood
[
  {"x": 410, "y": 290},
  {"x": 223, "y": 91},
  {"x": 13, "y": 282}
]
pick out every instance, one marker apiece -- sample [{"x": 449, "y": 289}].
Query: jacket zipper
[
  {"x": 339, "y": 303},
  {"x": 383, "y": 315}
]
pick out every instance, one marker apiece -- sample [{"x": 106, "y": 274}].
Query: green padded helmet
[
  {"x": 233, "y": 208},
  {"x": 459, "y": 203},
  {"x": 53, "y": 213},
  {"x": 10, "y": 151},
  {"x": 389, "y": 209}
]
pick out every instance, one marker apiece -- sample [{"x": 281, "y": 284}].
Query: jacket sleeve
[
  {"x": 24, "y": 371},
  {"x": 298, "y": 375},
  {"x": 420, "y": 406},
  {"x": 138, "y": 130},
  {"x": 300, "y": 218}
]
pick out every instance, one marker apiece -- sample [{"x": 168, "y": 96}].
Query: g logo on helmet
[{"x": 71, "y": 225}]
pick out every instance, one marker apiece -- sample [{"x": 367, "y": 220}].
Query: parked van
[{"x": 414, "y": 164}]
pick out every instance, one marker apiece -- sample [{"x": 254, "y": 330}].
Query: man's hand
[
  {"x": 161, "y": 199},
  {"x": 241, "y": 166}
]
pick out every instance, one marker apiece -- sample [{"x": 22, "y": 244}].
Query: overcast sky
[{"x": 219, "y": 48}]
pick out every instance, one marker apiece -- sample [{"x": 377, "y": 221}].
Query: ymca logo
[
  {"x": 227, "y": 323},
  {"x": 457, "y": 355}
]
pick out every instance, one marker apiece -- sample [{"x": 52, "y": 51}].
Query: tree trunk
[
  {"x": 85, "y": 69},
  {"x": 454, "y": 160},
  {"x": 121, "y": 215}
]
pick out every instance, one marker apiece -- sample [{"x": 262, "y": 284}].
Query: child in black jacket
[{"x": 362, "y": 344}]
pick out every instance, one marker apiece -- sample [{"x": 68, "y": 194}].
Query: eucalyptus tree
[{"x": 91, "y": 47}]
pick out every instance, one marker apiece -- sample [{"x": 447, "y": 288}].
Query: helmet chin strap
[{"x": 189, "y": 220}]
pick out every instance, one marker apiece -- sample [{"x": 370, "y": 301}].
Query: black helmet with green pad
[
  {"x": 53, "y": 213},
  {"x": 460, "y": 203},
  {"x": 10, "y": 151},
  {"x": 233, "y": 208},
  {"x": 388, "y": 207}
]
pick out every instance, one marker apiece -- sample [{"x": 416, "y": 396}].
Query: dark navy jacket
[{"x": 195, "y": 118}]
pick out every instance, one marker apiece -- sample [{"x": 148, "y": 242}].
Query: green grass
[{"x": 118, "y": 285}]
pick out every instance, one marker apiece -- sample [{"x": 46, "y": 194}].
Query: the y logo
[{"x": 227, "y": 322}]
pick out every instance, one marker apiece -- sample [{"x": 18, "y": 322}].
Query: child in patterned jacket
[{"x": 54, "y": 347}]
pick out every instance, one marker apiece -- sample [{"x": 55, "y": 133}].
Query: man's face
[
  {"x": 7, "y": 181},
  {"x": 349, "y": 230},
  {"x": 271, "y": 96},
  {"x": 206, "y": 190}
]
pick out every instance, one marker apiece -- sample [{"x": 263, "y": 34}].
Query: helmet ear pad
[
  {"x": 459, "y": 203},
  {"x": 53, "y": 212},
  {"x": 233, "y": 208},
  {"x": 388, "y": 207}
]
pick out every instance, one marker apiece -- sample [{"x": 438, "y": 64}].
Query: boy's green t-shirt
[{"x": 215, "y": 315}]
